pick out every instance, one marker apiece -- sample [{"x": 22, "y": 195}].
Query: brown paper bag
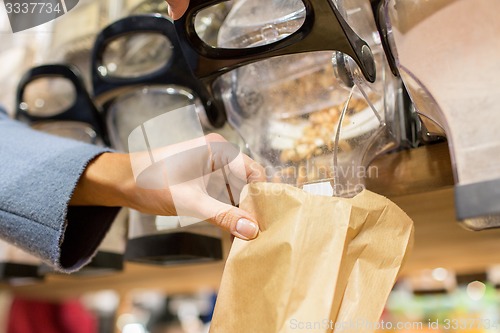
[{"x": 320, "y": 264}]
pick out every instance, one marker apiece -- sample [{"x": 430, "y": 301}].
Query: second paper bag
[{"x": 320, "y": 264}]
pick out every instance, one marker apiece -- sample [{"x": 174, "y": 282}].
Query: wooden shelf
[
  {"x": 420, "y": 181},
  {"x": 171, "y": 280}
]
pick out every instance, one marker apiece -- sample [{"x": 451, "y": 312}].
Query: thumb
[
  {"x": 177, "y": 8},
  {"x": 235, "y": 220}
]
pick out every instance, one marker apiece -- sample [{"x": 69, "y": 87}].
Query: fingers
[
  {"x": 255, "y": 171},
  {"x": 232, "y": 219},
  {"x": 241, "y": 170},
  {"x": 224, "y": 153},
  {"x": 177, "y": 8}
]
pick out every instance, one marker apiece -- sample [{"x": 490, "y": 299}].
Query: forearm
[{"x": 107, "y": 181}]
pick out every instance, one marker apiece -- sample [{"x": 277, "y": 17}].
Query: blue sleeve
[{"x": 38, "y": 174}]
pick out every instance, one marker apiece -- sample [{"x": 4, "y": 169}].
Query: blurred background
[{"x": 451, "y": 279}]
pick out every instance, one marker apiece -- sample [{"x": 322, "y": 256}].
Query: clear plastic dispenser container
[
  {"x": 448, "y": 55},
  {"x": 310, "y": 117}
]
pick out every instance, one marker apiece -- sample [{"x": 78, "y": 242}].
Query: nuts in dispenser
[
  {"x": 311, "y": 82},
  {"x": 312, "y": 151}
]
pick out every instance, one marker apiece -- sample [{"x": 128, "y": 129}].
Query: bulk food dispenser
[
  {"x": 323, "y": 116},
  {"x": 447, "y": 53},
  {"x": 311, "y": 118}
]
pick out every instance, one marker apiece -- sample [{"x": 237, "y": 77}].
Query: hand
[
  {"x": 177, "y": 8},
  {"x": 173, "y": 184}
]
